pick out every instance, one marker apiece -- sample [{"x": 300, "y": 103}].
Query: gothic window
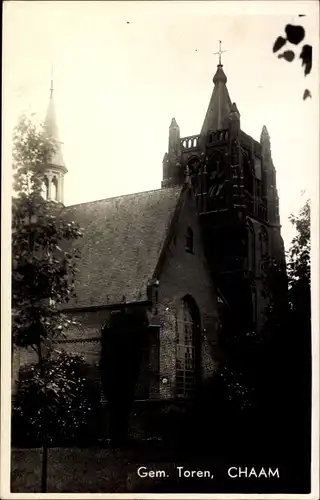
[
  {"x": 257, "y": 168},
  {"x": 187, "y": 361},
  {"x": 189, "y": 240},
  {"x": 247, "y": 174},
  {"x": 258, "y": 188},
  {"x": 264, "y": 244},
  {"x": 193, "y": 166},
  {"x": 216, "y": 178},
  {"x": 251, "y": 247}
]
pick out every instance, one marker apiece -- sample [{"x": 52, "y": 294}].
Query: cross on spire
[
  {"x": 219, "y": 52},
  {"x": 51, "y": 88}
]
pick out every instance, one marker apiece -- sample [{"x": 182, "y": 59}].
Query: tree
[
  {"x": 299, "y": 265},
  {"x": 42, "y": 272},
  {"x": 71, "y": 411}
]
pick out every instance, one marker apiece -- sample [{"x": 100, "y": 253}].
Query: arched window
[
  {"x": 264, "y": 243},
  {"x": 247, "y": 174},
  {"x": 54, "y": 189},
  {"x": 45, "y": 189},
  {"x": 188, "y": 348},
  {"x": 251, "y": 247},
  {"x": 189, "y": 240}
]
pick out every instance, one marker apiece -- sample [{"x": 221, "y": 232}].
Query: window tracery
[{"x": 187, "y": 352}]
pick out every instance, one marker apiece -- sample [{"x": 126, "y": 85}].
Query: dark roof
[{"x": 121, "y": 245}]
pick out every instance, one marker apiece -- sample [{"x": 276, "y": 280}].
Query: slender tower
[{"x": 55, "y": 170}]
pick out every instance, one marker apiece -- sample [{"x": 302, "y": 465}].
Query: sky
[{"x": 122, "y": 70}]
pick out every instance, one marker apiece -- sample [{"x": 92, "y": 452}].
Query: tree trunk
[{"x": 44, "y": 467}]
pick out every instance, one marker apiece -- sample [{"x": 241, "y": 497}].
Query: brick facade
[{"x": 186, "y": 274}]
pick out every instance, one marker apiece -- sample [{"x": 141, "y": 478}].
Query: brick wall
[{"x": 184, "y": 274}]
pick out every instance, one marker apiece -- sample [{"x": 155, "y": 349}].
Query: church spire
[
  {"x": 55, "y": 170},
  {"x": 219, "y": 108},
  {"x": 51, "y": 126}
]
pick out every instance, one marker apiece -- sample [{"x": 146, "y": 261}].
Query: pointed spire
[
  {"x": 234, "y": 120},
  {"x": 174, "y": 124},
  {"x": 217, "y": 116},
  {"x": 265, "y": 137},
  {"x": 174, "y": 138},
  {"x": 51, "y": 126},
  {"x": 264, "y": 133},
  {"x": 234, "y": 112}
]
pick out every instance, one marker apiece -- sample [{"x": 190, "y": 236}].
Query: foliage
[
  {"x": 275, "y": 285},
  {"x": 42, "y": 272},
  {"x": 299, "y": 253},
  {"x": 299, "y": 263},
  {"x": 234, "y": 389},
  {"x": 294, "y": 35},
  {"x": 65, "y": 390}
]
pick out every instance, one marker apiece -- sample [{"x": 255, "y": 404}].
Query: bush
[{"x": 70, "y": 403}]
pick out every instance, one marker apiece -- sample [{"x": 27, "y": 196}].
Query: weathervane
[{"x": 219, "y": 52}]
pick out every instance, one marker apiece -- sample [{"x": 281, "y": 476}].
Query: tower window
[
  {"x": 247, "y": 175},
  {"x": 263, "y": 237},
  {"x": 189, "y": 240},
  {"x": 251, "y": 247},
  {"x": 45, "y": 189},
  {"x": 54, "y": 189}
]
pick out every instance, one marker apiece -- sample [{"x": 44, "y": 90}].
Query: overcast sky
[{"x": 122, "y": 70}]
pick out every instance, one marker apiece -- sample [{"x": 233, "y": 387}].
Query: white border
[{"x": 224, "y": 7}]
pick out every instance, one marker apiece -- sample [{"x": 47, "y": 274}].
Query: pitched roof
[
  {"x": 219, "y": 106},
  {"x": 121, "y": 245}
]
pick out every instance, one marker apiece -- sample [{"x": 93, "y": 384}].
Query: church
[{"x": 183, "y": 263}]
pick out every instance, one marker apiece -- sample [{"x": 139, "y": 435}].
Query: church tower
[
  {"x": 233, "y": 180},
  {"x": 55, "y": 170}
]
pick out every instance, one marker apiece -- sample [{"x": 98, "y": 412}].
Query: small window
[
  {"x": 189, "y": 240},
  {"x": 45, "y": 188},
  {"x": 54, "y": 189},
  {"x": 263, "y": 238}
]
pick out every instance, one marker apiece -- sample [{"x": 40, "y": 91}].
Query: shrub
[{"x": 70, "y": 403}]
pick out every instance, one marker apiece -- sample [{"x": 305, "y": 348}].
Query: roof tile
[{"x": 121, "y": 245}]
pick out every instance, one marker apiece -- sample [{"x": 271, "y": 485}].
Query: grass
[
  {"x": 70, "y": 470},
  {"x": 83, "y": 470}
]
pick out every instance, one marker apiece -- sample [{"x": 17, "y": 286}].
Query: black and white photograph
[{"x": 160, "y": 249}]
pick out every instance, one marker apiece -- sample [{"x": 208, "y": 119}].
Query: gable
[
  {"x": 180, "y": 271},
  {"x": 121, "y": 244}
]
